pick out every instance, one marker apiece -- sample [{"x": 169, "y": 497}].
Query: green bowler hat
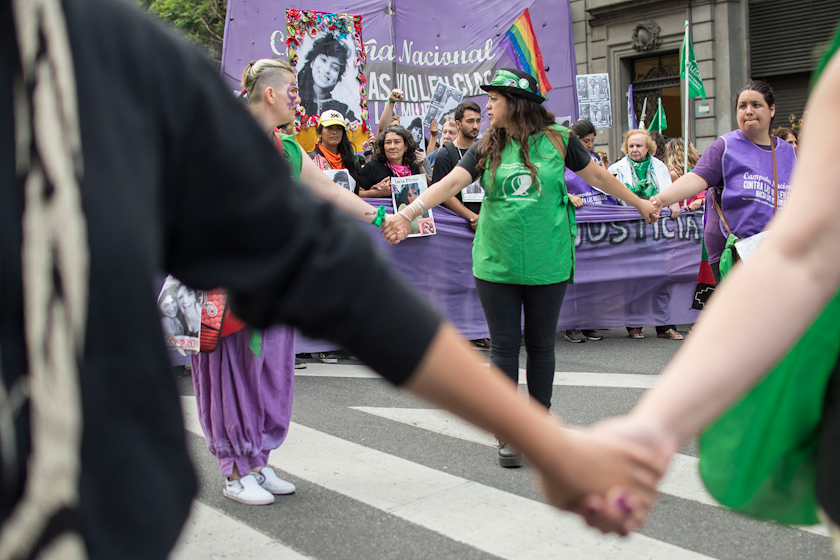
[{"x": 517, "y": 83}]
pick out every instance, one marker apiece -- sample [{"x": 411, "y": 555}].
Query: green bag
[
  {"x": 758, "y": 458},
  {"x": 729, "y": 256}
]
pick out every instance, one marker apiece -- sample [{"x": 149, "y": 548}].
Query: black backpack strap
[{"x": 453, "y": 152}]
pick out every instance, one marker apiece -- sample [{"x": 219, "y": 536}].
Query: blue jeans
[{"x": 503, "y": 307}]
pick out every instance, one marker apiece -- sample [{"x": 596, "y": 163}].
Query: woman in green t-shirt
[{"x": 523, "y": 256}]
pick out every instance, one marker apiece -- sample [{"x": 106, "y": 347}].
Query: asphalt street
[{"x": 382, "y": 475}]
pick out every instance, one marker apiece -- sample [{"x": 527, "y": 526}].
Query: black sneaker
[
  {"x": 299, "y": 364},
  {"x": 574, "y": 336},
  {"x": 592, "y": 335}
]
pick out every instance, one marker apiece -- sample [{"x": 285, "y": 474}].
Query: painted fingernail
[{"x": 622, "y": 501}]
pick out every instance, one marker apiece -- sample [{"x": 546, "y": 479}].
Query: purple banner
[
  {"x": 628, "y": 273},
  {"x": 421, "y": 44}
]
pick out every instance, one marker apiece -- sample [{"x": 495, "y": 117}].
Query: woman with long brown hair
[{"x": 523, "y": 256}]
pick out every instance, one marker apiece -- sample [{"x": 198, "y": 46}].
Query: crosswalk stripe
[
  {"x": 485, "y": 518},
  {"x": 682, "y": 479},
  {"x": 211, "y": 534},
  {"x": 569, "y": 378}
]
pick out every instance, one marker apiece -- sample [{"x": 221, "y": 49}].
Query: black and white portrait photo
[
  {"x": 327, "y": 76},
  {"x": 342, "y": 178},
  {"x": 415, "y": 126},
  {"x": 582, "y": 88},
  {"x": 583, "y": 113},
  {"x": 180, "y": 314}
]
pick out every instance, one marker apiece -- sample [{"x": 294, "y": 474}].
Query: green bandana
[
  {"x": 503, "y": 78},
  {"x": 642, "y": 187}
]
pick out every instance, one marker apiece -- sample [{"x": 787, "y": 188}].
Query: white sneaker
[
  {"x": 248, "y": 491},
  {"x": 269, "y": 480}
]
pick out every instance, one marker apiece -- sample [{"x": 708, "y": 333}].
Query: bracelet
[
  {"x": 394, "y": 101},
  {"x": 423, "y": 204},
  {"x": 401, "y": 213},
  {"x": 413, "y": 211},
  {"x": 380, "y": 217}
]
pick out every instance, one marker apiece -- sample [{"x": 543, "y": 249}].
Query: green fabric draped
[{"x": 641, "y": 186}]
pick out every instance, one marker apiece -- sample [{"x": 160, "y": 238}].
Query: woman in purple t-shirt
[{"x": 747, "y": 171}]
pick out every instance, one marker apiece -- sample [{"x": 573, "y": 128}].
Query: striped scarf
[{"x": 55, "y": 259}]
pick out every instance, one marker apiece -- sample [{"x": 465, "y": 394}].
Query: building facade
[{"x": 638, "y": 42}]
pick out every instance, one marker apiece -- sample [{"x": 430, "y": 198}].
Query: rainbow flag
[{"x": 521, "y": 45}]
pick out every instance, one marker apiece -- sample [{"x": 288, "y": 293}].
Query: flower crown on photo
[{"x": 299, "y": 23}]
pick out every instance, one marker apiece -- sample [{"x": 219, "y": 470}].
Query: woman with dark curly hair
[
  {"x": 325, "y": 65},
  {"x": 393, "y": 156},
  {"x": 524, "y": 250}
]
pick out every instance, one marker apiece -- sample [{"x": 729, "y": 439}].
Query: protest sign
[
  {"x": 404, "y": 190},
  {"x": 593, "y": 95},
  {"x": 417, "y": 129},
  {"x": 473, "y": 192},
  {"x": 342, "y": 178},
  {"x": 445, "y": 100},
  {"x": 180, "y": 315},
  {"x": 627, "y": 272},
  {"x": 413, "y": 47}
]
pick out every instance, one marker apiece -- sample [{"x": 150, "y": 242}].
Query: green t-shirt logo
[{"x": 518, "y": 185}]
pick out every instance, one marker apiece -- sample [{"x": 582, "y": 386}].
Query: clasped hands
[
  {"x": 610, "y": 474},
  {"x": 657, "y": 203}
]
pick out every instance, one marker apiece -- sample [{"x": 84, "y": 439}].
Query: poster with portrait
[
  {"x": 445, "y": 100},
  {"x": 564, "y": 121},
  {"x": 404, "y": 190},
  {"x": 342, "y": 178},
  {"x": 594, "y": 104},
  {"x": 417, "y": 129},
  {"x": 327, "y": 53},
  {"x": 180, "y": 315},
  {"x": 473, "y": 192}
]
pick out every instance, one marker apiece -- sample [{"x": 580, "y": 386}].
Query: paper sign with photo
[
  {"x": 415, "y": 126},
  {"x": 404, "y": 190},
  {"x": 593, "y": 93},
  {"x": 445, "y": 100},
  {"x": 342, "y": 178},
  {"x": 563, "y": 121},
  {"x": 180, "y": 315},
  {"x": 473, "y": 192}
]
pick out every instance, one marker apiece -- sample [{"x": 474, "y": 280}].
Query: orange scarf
[{"x": 333, "y": 159}]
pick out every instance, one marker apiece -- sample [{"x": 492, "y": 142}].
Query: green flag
[
  {"x": 658, "y": 122},
  {"x": 688, "y": 65}
]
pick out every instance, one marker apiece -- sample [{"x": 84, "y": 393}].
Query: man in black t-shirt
[{"x": 468, "y": 121}]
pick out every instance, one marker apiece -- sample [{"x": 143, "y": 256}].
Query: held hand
[
  {"x": 433, "y": 128},
  {"x": 656, "y": 201},
  {"x": 395, "y": 228},
  {"x": 419, "y": 157},
  {"x": 648, "y": 210},
  {"x": 577, "y": 201},
  {"x": 675, "y": 210},
  {"x": 474, "y": 222},
  {"x": 695, "y": 204},
  {"x": 608, "y": 480},
  {"x": 610, "y": 512},
  {"x": 396, "y": 94}
]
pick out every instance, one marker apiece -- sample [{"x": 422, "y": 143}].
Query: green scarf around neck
[{"x": 641, "y": 186}]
